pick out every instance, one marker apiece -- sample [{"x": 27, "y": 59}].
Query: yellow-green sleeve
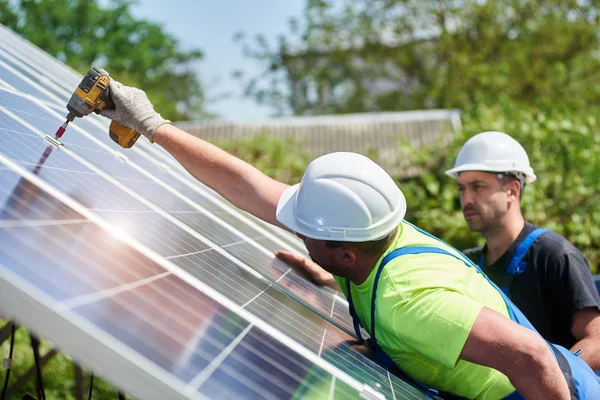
[
  {"x": 434, "y": 322},
  {"x": 341, "y": 282}
]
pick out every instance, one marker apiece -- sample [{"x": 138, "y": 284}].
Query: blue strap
[
  {"x": 389, "y": 257},
  {"x": 517, "y": 266},
  {"x": 355, "y": 321}
]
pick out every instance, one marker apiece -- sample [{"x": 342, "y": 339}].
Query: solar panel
[
  {"x": 98, "y": 289},
  {"x": 150, "y": 222},
  {"x": 148, "y": 277}
]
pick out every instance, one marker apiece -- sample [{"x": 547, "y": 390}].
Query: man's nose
[{"x": 466, "y": 197}]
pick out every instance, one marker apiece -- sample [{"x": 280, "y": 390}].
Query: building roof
[{"x": 377, "y": 135}]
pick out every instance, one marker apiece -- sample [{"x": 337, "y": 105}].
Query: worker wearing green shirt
[{"x": 430, "y": 312}]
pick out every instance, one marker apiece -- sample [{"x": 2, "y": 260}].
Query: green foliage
[
  {"x": 563, "y": 149},
  {"x": 58, "y": 373},
  {"x": 375, "y": 55},
  {"x": 278, "y": 158},
  {"x": 86, "y": 33}
]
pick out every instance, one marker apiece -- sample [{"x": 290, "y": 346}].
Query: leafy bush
[{"x": 278, "y": 158}]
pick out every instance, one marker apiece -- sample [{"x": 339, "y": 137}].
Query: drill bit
[{"x": 63, "y": 127}]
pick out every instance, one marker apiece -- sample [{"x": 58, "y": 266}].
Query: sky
[{"x": 210, "y": 26}]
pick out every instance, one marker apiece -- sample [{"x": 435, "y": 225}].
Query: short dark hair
[
  {"x": 377, "y": 246},
  {"x": 508, "y": 177}
]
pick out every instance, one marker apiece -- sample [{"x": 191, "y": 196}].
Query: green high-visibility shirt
[{"x": 426, "y": 305}]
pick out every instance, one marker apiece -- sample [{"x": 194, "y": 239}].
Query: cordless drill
[{"x": 93, "y": 95}]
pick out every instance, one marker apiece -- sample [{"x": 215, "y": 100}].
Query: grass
[{"x": 58, "y": 373}]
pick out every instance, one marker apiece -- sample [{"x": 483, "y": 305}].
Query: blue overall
[{"x": 583, "y": 383}]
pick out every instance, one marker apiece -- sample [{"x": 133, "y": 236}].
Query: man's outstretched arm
[
  {"x": 519, "y": 353},
  {"x": 237, "y": 181}
]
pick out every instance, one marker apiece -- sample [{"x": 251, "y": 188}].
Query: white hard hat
[
  {"x": 493, "y": 152},
  {"x": 343, "y": 197}
]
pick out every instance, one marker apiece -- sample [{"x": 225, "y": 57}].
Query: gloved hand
[{"x": 133, "y": 110}]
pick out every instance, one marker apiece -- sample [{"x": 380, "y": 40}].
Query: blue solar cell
[{"x": 20, "y": 84}]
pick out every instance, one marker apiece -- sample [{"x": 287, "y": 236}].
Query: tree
[
  {"x": 385, "y": 55},
  {"x": 85, "y": 33}
]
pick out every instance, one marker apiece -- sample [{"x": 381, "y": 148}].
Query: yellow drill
[{"x": 93, "y": 95}]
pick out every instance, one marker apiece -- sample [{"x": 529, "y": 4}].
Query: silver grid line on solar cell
[
  {"x": 24, "y": 304},
  {"x": 49, "y": 97},
  {"x": 33, "y": 77}
]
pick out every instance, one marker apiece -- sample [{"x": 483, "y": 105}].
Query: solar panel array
[{"x": 147, "y": 277}]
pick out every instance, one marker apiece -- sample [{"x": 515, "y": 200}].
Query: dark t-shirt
[{"x": 556, "y": 284}]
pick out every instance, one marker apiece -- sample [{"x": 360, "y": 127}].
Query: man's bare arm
[
  {"x": 519, "y": 353},
  {"x": 586, "y": 329},
  {"x": 237, "y": 181}
]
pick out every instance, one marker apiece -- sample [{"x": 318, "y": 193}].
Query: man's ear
[
  {"x": 514, "y": 190},
  {"x": 348, "y": 256}
]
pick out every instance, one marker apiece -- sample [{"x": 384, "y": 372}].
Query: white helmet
[
  {"x": 343, "y": 197},
  {"x": 493, "y": 152}
]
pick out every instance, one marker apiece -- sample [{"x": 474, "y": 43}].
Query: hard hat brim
[
  {"x": 454, "y": 172},
  {"x": 285, "y": 213}
]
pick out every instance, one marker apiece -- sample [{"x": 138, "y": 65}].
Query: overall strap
[
  {"x": 517, "y": 266},
  {"x": 353, "y": 314}
]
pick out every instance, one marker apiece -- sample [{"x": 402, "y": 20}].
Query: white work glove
[{"x": 133, "y": 110}]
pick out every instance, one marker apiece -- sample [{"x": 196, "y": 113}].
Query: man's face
[{"x": 483, "y": 198}]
